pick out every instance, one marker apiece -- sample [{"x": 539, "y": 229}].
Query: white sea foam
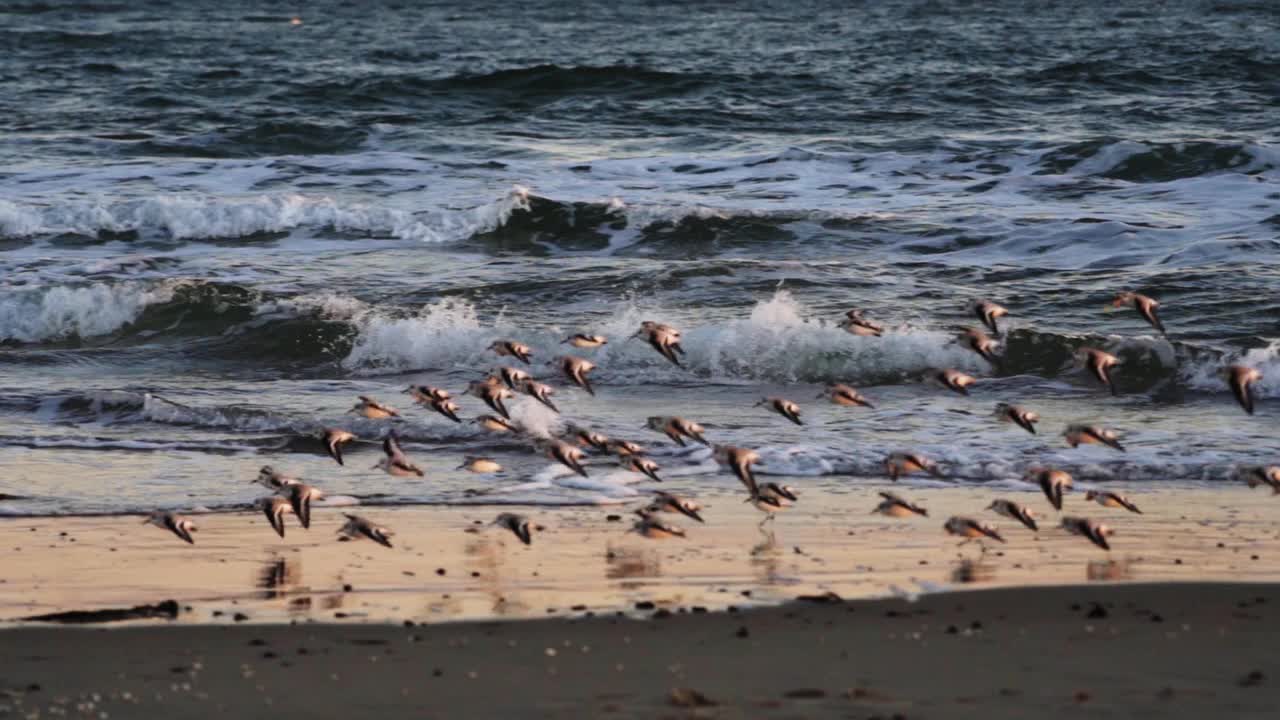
[
  {"x": 780, "y": 340},
  {"x": 199, "y": 216},
  {"x": 1184, "y": 220},
  {"x": 1207, "y": 375},
  {"x": 84, "y": 311}
]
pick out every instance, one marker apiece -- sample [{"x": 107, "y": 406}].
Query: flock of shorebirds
[{"x": 293, "y": 496}]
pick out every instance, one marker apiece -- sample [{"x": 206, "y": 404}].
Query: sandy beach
[
  {"x": 428, "y": 264},
  {"x": 840, "y": 613},
  {"x": 452, "y": 564},
  {"x": 1161, "y": 650}
]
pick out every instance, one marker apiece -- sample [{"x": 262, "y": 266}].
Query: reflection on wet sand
[
  {"x": 973, "y": 571},
  {"x": 622, "y": 563},
  {"x": 486, "y": 558},
  {"x": 1106, "y": 570},
  {"x": 581, "y": 565},
  {"x": 278, "y": 576},
  {"x": 281, "y": 578},
  {"x": 766, "y": 559}
]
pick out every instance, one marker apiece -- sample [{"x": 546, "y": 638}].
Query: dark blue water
[{"x": 218, "y": 225}]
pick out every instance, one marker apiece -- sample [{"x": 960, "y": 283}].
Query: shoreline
[
  {"x": 1167, "y": 649},
  {"x": 450, "y": 563}
]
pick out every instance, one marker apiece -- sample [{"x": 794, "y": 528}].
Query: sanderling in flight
[
  {"x": 1015, "y": 511},
  {"x": 177, "y": 524},
  {"x": 357, "y": 527},
  {"x": 783, "y": 407},
  {"x": 1053, "y": 482},
  {"x": 1077, "y": 435},
  {"x": 677, "y": 429},
  {"x": 517, "y": 524},
  {"x": 511, "y": 348},
  {"x": 395, "y": 462},
  {"x": 1095, "y": 531}
]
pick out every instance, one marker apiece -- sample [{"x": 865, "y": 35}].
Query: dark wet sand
[{"x": 1137, "y": 650}]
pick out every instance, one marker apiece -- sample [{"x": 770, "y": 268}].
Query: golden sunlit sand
[{"x": 452, "y": 564}]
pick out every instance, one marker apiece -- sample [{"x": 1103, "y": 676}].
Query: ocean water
[{"x": 219, "y": 226}]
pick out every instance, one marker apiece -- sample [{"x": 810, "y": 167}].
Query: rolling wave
[
  {"x": 779, "y": 340},
  {"x": 712, "y": 204},
  {"x": 203, "y": 217}
]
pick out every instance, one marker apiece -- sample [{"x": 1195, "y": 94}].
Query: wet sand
[
  {"x": 1179, "y": 620},
  {"x": 1164, "y": 650},
  {"x": 449, "y": 564}
]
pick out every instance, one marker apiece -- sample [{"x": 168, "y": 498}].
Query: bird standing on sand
[
  {"x": 1261, "y": 475},
  {"x": 904, "y": 463},
  {"x": 954, "y": 380},
  {"x": 372, "y": 409},
  {"x": 1106, "y": 498},
  {"x": 1053, "y": 482},
  {"x": 395, "y": 462},
  {"x": 1019, "y": 415},
  {"x": 856, "y": 323},
  {"x": 894, "y": 506},
  {"x": 301, "y": 495},
  {"x": 783, "y": 407},
  {"x": 641, "y": 464},
  {"x": 333, "y": 440},
  {"x": 971, "y": 529},
  {"x": 841, "y": 394},
  {"x": 1241, "y": 378},
  {"x": 575, "y": 369},
  {"x": 988, "y": 312},
  {"x": 1145, "y": 306},
  {"x": 667, "y": 502},
  {"x": 275, "y": 508},
  {"x": 677, "y": 429},
  {"x": 1099, "y": 363},
  {"x": 586, "y": 342},
  {"x": 357, "y": 527},
  {"x": 1095, "y": 531},
  {"x": 517, "y": 524},
  {"x": 511, "y": 348},
  {"x": 1077, "y": 435},
  {"x": 979, "y": 342},
  {"x": 174, "y": 523},
  {"x": 492, "y": 392}
]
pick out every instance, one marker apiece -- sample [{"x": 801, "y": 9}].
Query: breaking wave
[{"x": 203, "y": 217}]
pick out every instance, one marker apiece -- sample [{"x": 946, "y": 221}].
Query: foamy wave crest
[
  {"x": 778, "y": 341},
  {"x": 65, "y": 312},
  {"x": 195, "y": 217},
  {"x": 1206, "y": 374},
  {"x": 439, "y": 336}
]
